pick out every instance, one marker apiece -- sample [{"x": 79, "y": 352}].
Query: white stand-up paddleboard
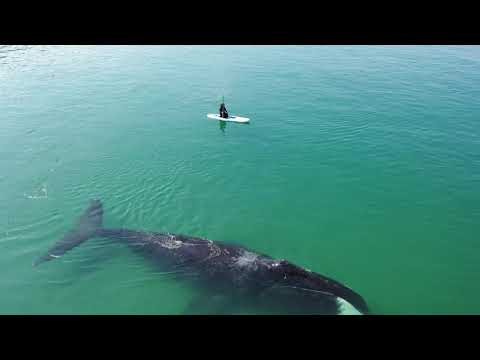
[{"x": 230, "y": 118}]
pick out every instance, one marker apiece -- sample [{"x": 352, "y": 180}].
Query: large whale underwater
[{"x": 223, "y": 269}]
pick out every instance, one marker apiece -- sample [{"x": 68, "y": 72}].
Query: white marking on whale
[
  {"x": 345, "y": 308},
  {"x": 247, "y": 259}
]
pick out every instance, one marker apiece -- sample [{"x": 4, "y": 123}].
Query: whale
[{"x": 221, "y": 269}]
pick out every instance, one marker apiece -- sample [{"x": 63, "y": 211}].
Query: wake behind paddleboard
[{"x": 230, "y": 118}]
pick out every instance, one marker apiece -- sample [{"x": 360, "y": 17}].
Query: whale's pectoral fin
[
  {"x": 207, "y": 304},
  {"x": 292, "y": 300},
  {"x": 87, "y": 227}
]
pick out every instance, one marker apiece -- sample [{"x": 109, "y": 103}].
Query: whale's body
[{"x": 223, "y": 268}]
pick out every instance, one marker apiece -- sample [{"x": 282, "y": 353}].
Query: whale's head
[{"x": 309, "y": 289}]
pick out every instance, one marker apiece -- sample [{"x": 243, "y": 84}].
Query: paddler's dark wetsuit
[{"x": 223, "y": 111}]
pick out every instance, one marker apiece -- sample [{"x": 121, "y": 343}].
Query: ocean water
[{"x": 361, "y": 163}]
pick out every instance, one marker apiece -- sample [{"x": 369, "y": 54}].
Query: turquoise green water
[{"x": 361, "y": 163}]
